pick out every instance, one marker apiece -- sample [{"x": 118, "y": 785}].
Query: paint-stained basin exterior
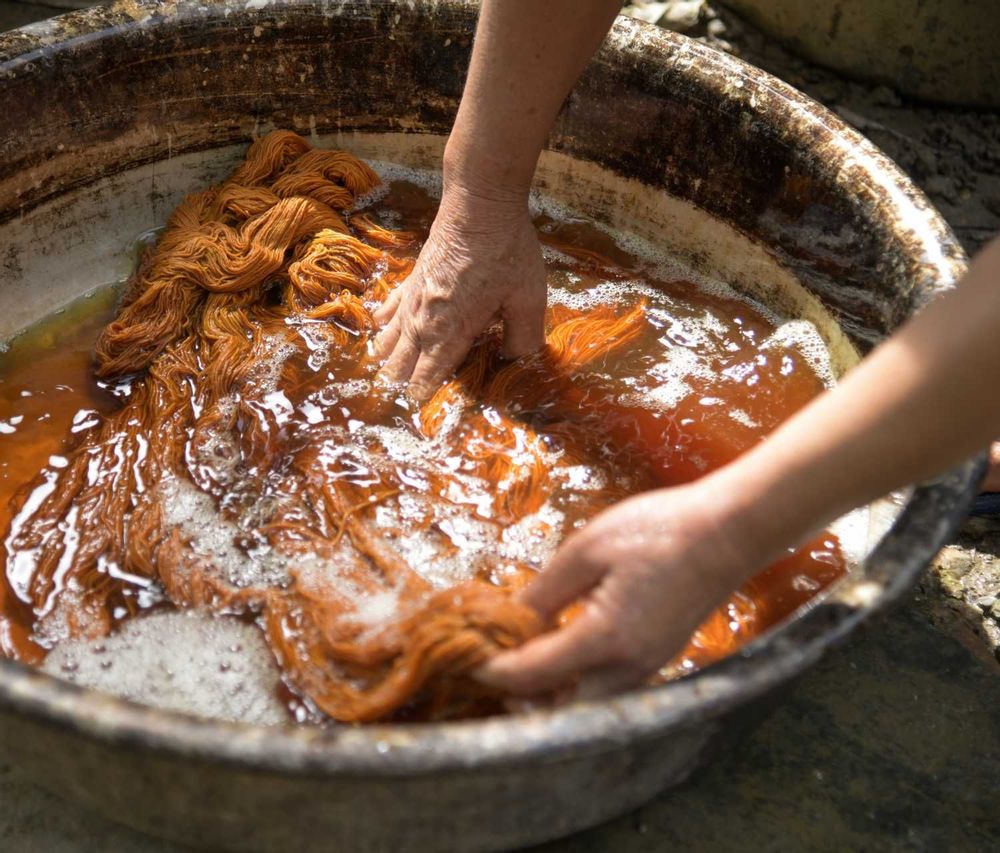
[{"x": 118, "y": 109}]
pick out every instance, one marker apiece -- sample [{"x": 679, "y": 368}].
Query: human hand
[
  {"x": 991, "y": 482},
  {"x": 482, "y": 263},
  {"x": 649, "y": 571}
]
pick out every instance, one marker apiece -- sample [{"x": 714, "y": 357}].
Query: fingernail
[{"x": 418, "y": 393}]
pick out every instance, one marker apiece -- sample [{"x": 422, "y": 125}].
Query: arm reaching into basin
[
  {"x": 482, "y": 261},
  {"x": 653, "y": 567}
]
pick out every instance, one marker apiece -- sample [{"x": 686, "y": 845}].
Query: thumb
[
  {"x": 551, "y": 661},
  {"x": 571, "y": 573}
]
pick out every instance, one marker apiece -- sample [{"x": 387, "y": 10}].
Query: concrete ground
[{"x": 892, "y": 742}]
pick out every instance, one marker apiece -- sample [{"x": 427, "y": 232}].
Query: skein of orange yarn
[
  {"x": 208, "y": 328},
  {"x": 199, "y": 322}
]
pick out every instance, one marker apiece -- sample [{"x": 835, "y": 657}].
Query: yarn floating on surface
[{"x": 253, "y": 467}]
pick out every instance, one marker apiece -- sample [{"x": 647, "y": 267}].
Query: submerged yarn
[{"x": 249, "y": 280}]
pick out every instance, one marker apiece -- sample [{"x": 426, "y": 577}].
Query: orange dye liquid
[{"x": 707, "y": 379}]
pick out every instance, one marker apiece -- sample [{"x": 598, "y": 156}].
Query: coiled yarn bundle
[{"x": 237, "y": 477}]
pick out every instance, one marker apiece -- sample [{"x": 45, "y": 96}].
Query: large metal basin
[{"x": 110, "y": 115}]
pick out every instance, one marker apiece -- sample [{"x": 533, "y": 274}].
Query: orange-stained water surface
[{"x": 702, "y": 376}]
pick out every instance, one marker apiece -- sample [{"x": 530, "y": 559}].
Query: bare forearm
[
  {"x": 652, "y": 567},
  {"x": 924, "y": 400},
  {"x": 526, "y": 58},
  {"x": 482, "y": 261}
]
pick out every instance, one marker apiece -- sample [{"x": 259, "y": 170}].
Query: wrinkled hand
[
  {"x": 649, "y": 571},
  {"x": 482, "y": 263}
]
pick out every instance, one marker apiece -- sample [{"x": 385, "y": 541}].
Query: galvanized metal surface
[{"x": 892, "y": 740}]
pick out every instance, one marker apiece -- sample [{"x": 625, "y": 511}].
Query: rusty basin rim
[{"x": 930, "y": 516}]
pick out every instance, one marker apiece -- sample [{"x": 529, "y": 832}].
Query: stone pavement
[{"x": 892, "y": 742}]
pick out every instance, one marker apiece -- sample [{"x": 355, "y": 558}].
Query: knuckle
[
  {"x": 435, "y": 298},
  {"x": 527, "y": 683},
  {"x": 409, "y": 333},
  {"x": 435, "y": 319},
  {"x": 607, "y": 637},
  {"x": 411, "y": 301},
  {"x": 434, "y": 326},
  {"x": 625, "y": 647},
  {"x": 619, "y": 644}
]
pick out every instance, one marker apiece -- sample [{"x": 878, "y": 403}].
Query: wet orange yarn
[
  {"x": 238, "y": 269},
  {"x": 240, "y": 476}
]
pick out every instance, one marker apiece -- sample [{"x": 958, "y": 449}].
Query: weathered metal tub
[{"x": 110, "y": 116}]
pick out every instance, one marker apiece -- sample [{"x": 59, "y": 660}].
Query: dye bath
[{"x": 702, "y": 376}]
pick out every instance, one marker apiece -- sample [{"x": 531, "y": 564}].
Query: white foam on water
[
  {"x": 378, "y": 608},
  {"x": 683, "y": 363},
  {"x": 654, "y": 261},
  {"x": 581, "y": 478},
  {"x": 802, "y": 336},
  {"x": 606, "y": 293},
  {"x": 267, "y": 371},
  {"x": 671, "y": 378},
  {"x": 391, "y": 219},
  {"x": 663, "y": 397},
  {"x": 534, "y": 539},
  {"x": 354, "y": 388},
  {"x": 373, "y": 196},
  {"x": 552, "y": 255},
  {"x": 704, "y": 332},
  {"x": 72, "y": 613},
  {"x": 212, "y": 537},
  {"x": 189, "y": 661},
  {"x": 743, "y": 418},
  {"x": 429, "y": 180},
  {"x": 333, "y": 579},
  {"x": 445, "y": 553}
]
